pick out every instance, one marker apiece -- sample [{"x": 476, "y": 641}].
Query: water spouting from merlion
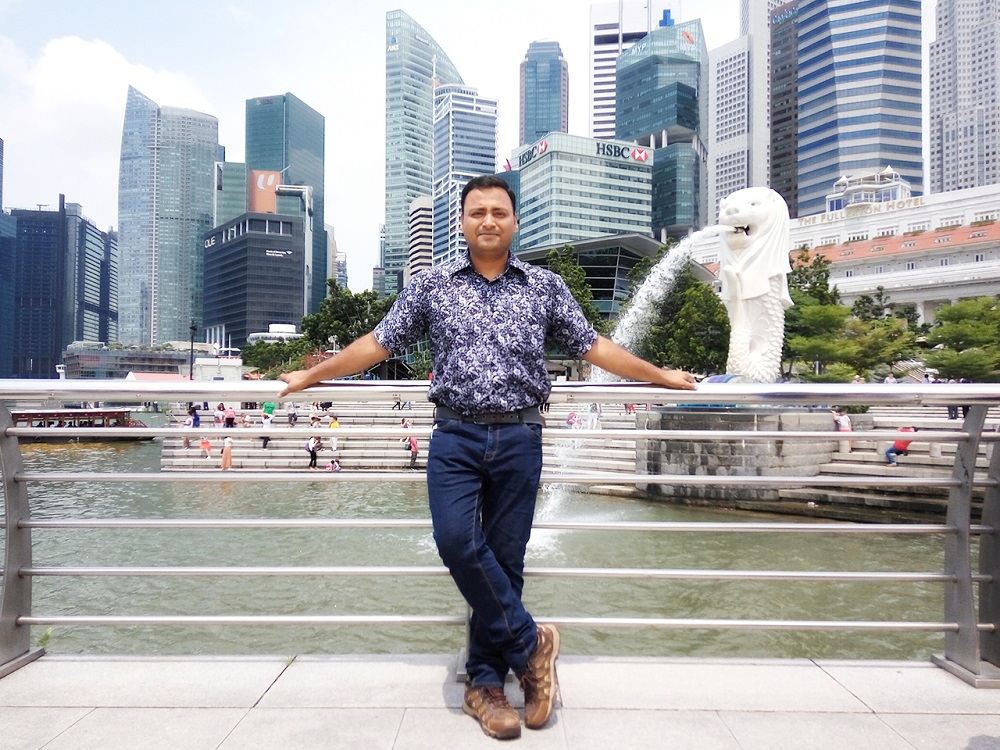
[
  {"x": 640, "y": 314},
  {"x": 753, "y": 271}
]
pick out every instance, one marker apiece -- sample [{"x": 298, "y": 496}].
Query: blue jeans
[{"x": 482, "y": 481}]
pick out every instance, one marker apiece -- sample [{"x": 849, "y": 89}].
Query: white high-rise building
[
  {"x": 421, "y": 237},
  {"x": 614, "y": 27},
  {"x": 739, "y": 114},
  {"x": 964, "y": 81},
  {"x": 465, "y": 146}
]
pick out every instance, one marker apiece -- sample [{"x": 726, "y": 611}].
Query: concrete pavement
[{"x": 414, "y": 702}]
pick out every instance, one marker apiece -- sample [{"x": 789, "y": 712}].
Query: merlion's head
[
  {"x": 758, "y": 247},
  {"x": 758, "y": 214}
]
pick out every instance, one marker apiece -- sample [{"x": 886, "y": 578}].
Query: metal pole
[{"x": 15, "y": 601}]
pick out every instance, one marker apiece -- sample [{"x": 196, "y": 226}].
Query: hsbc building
[{"x": 574, "y": 188}]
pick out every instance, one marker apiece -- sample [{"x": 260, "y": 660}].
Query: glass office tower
[
  {"x": 413, "y": 63},
  {"x": 286, "y": 135},
  {"x": 662, "y": 103},
  {"x": 165, "y": 200},
  {"x": 544, "y": 92},
  {"x": 859, "y": 94},
  {"x": 465, "y": 146}
]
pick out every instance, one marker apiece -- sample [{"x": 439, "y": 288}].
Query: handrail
[{"x": 971, "y": 633}]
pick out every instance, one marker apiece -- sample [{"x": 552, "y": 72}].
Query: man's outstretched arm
[
  {"x": 609, "y": 356},
  {"x": 359, "y": 355}
]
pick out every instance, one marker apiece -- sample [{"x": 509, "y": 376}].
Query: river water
[{"x": 409, "y": 595}]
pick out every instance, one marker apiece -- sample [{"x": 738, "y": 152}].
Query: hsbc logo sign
[
  {"x": 537, "y": 150},
  {"x": 616, "y": 151}
]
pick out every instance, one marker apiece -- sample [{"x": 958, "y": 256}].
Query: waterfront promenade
[{"x": 414, "y": 703}]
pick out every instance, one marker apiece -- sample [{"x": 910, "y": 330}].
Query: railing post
[
  {"x": 989, "y": 564},
  {"x": 15, "y": 639},
  {"x": 962, "y": 653}
]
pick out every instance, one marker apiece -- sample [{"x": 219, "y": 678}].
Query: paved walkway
[{"x": 403, "y": 702}]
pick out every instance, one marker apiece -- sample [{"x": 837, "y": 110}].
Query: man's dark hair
[{"x": 487, "y": 182}]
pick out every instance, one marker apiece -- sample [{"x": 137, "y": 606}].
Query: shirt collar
[{"x": 464, "y": 264}]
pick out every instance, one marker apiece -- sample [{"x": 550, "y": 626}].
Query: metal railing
[{"x": 971, "y": 598}]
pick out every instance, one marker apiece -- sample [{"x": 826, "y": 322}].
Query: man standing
[{"x": 488, "y": 316}]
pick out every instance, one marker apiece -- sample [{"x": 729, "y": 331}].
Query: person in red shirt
[{"x": 899, "y": 447}]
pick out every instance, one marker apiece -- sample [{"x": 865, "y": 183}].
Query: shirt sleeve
[
  {"x": 406, "y": 322},
  {"x": 568, "y": 326}
]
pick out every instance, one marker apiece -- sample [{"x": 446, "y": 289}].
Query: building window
[
  {"x": 980, "y": 257},
  {"x": 909, "y": 244},
  {"x": 911, "y": 265},
  {"x": 848, "y": 274},
  {"x": 943, "y": 262}
]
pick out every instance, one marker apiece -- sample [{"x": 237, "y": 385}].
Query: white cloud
[{"x": 84, "y": 83}]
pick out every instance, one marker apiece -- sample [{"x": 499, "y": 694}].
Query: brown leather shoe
[
  {"x": 496, "y": 716},
  {"x": 539, "y": 681}
]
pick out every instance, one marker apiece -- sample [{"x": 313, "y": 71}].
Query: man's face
[{"x": 488, "y": 221}]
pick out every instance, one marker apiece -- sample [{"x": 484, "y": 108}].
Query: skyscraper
[
  {"x": 662, "y": 94},
  {"x": 614, "y": 27},
  {"x": 413, "y": 62},
  {"x": 964, "y": 105},
  {"x": 785, "y": 105},
  {"x": 859, "y": 96},
  {"x": 286, "y": 135},
  {"x": 91, "y": 296},
  {"x": 1, "y": 173},
  {"x": 421, "y": 236},
  {"x": 465, "y": 146},
  {"x": 63, "y": 271},
  {"x": 544, "y": 92},
  {"x": 165, "y": 198},
  {"x": 739, "y": 107}
]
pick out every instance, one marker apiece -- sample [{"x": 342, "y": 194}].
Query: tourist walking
[
  {"x": 230, "y": 416},
  {"x": 265, "y": 423},
  {"x": 292, "y": 413},
  {"x": 227, "y": 453},
  {"x": 488, "y": 316}
]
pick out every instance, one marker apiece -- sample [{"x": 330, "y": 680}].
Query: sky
[{"x": 65, "y": 68}]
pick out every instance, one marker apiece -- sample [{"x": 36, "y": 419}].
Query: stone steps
[{"x": 562, "y": 450}]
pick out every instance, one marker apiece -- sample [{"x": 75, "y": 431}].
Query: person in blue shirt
[{"x": 488, "y": 316}]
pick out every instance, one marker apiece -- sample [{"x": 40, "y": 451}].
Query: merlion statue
[{"x": 754, "y": 272}]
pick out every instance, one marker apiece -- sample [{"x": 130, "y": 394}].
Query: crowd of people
[{"x": 320, "y": 418}]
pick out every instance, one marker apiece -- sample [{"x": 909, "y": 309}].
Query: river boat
[{"x": 57, "y": 419}]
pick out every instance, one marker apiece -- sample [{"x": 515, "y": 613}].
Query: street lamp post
[{"x": 194, "y": 330}]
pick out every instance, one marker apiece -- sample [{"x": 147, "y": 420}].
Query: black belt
[{"x": 528, "y": 415}]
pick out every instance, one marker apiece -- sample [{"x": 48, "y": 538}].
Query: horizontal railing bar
[
  {"x": 242, "y": 620},
  {"x": 383, "y": 523},
  {"x": 551, "y": 477},
  {"x": 554, "y": 432},
  {"x": 653, "y": 622},
  {"x": 711, "y": 394},
  {"x": 426, "y": 571}
]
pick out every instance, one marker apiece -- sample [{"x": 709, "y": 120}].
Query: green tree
[
  {"x": 811, "y": 277},
  {"x": 344, "y": 316},
  {"x": 818, "y": 341},
  {"x": 879, "y": 306},
  {"x": 564, "y": 262},
  {"x": 966, "y": 338},
  {"x": 877, "y": 342},
  {"x": 266, "y": 355},
  {"x": 691, "y": 329}
]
